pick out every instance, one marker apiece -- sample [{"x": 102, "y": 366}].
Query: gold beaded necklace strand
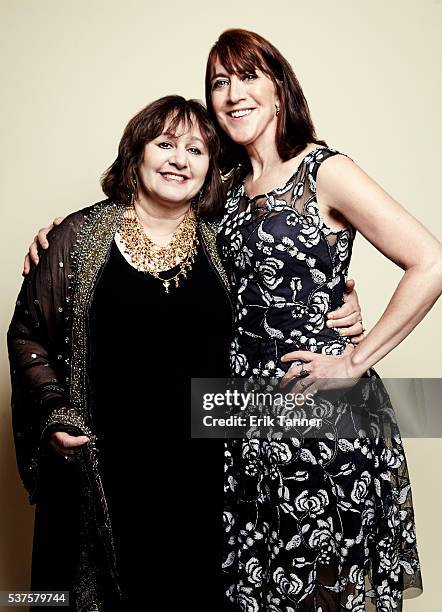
[{"x": 149, "y": 257}]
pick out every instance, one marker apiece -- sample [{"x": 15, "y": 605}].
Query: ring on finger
[
  {"x": 303, "y": 373},
  {"x": 303, "y": 386}
]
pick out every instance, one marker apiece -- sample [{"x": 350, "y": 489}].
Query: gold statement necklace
[{"x": 149, "y": 257}]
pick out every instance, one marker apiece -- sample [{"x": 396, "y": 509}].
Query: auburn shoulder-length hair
[
  {"x": 119, "y": 181},
  {"x": 240, "y": 52}
]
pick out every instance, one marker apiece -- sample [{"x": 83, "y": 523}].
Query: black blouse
[{"x": 164, "y": 495}]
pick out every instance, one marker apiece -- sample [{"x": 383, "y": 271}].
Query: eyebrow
[
  {"x": 174, "y": 137},
  {"x": 219, "y": 74},
  {"x": 199, "y": 140},
  {"x": 225, "y": 75}
]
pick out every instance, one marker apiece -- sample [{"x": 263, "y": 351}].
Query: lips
[
  {"x": 174, "y": 176},
  {"x": 240, "y": 113}
]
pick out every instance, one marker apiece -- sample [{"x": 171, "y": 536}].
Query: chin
[
  {"x": 173, "y": 198},
  {"x": 243, "y": 139},
  {"x": 243, "y": 136}
]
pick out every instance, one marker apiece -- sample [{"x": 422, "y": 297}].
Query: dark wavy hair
[
  {"x": 119, "y": 182},
  {"x": 241, "y": 51}
]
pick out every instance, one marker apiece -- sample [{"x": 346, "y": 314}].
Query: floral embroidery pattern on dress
[{"x": 311, "y": 524}]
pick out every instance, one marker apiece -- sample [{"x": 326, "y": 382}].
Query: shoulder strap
[{"x": 318, "y": 156}]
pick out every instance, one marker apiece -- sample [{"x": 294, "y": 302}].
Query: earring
[
  {"x": 277, "y": 110},
  {"x": 132, "y": 195},
  {"x": 198, "y": 198}
]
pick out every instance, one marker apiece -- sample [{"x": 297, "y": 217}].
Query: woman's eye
[
  {"x": 195, "y": 151},
  {"x": 219, "y": 84},
  {"x": 250, "y": 76},
  {"x": 164, "y": 145}
]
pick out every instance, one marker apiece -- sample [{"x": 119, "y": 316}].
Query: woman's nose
[
  {"x": 178, "y": 158},
  {"x": 236, "y": 90}
]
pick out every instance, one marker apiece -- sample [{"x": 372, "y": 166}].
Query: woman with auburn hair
[{"x": 311, "y": 523}]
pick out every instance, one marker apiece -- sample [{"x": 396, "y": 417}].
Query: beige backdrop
[{"x": 74, "y": 73}]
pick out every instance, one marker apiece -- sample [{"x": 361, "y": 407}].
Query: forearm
[
  {"x": 33, "y": 371},
  {"x": 32, "y": 365},
  {"x": 414, "y": 296},
  {"x": 38, "y": 367}
]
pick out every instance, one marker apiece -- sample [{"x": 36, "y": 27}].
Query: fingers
[
  {"x": 61, "y": 451},
  {"x": 349, "y": 349},
  {"x": 295, "y": 369},
  {"x": 343, "y": 311},
  {"x": 346, "y": 331},
  {"x": 351, "y": 298},
  {"x": 41, "y": 236},
  {"x": 74, "y": 441},
  {"x": 298, "y": 355},
  {"x": 65, "y": 444},
  {"x": 357, "y": 339},
  {"x": 349, "y": 285},
  {"x": 39, "y": 240},
  {"x": 295, "y": 372},
  {"x": 26, "y": 265},
  {"x": 59, "y": 448},
  {"x": 345, "y": 321},
  {"x": 68, "y": 441},
  {"x": 354, "y": 330},
  {"x": 33, "y": 251},
  {"x": 31, "y": 256}
]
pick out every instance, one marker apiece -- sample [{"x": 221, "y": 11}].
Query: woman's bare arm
[{"x": 343, "y": 185}]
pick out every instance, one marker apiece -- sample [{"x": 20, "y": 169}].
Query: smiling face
[
  {"x": 244, "y": 105},
  {"x": 174, "y": 166}
]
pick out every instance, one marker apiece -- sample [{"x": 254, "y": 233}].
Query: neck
[
  {"x": 263, "y": 154},
  {"x": 158, "y": 218}
]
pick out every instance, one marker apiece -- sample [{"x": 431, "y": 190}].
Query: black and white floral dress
[{"x": 311, "y": 524}]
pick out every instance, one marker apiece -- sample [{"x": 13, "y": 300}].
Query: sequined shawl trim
[{"x": 209, "y": 230}]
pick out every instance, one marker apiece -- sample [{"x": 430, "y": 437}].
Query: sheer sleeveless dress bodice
[
  {"x": 310, "y": 524},
  {"x": 288, "y": 270}
]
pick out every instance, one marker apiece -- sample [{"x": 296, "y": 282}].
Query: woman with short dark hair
[{"x": 100, "y": 397}]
